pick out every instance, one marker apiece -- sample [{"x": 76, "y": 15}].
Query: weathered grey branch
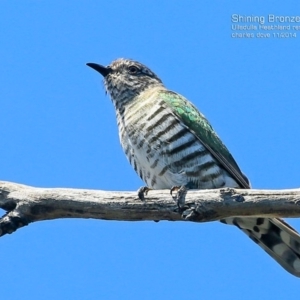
[{"x": 25, "y": 204}]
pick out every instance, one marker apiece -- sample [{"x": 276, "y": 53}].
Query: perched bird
[{"x": 170, "y": 143}]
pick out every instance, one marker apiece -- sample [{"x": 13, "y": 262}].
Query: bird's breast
[{"x": 162, "y": 150}]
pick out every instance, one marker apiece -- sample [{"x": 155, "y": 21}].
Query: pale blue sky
[{"x": 58, "y": 129}]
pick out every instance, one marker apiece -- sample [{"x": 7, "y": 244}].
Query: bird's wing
[{"x": 196, "y": 123}]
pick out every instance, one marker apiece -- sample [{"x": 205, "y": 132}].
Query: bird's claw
[
  {"x": 180, "y": 195},
  {"x": 142, "y": 191}
]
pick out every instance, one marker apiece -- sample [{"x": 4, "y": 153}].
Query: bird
[{"x": 170, "y": 143}]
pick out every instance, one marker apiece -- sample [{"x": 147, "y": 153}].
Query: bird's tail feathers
[{"x": 275, "y": 236}]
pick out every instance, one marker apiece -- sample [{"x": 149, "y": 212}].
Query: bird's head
[{"x": 124, "y": 78}]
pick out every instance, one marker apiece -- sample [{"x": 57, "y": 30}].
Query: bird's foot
[
  {"x": 142, "y": 191},
  {"x": 180, "y": 195}
]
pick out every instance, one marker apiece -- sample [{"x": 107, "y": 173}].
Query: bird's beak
[{"x": 104, "y": 71}]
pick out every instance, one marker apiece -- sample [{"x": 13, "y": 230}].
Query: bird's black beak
[{"x": 104, "y": 71}]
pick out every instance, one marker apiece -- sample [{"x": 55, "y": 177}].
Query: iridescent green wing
[{"x": 187, "y": 113}]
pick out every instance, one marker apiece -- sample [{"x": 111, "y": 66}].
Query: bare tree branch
[{"x": 25, "y": 204}]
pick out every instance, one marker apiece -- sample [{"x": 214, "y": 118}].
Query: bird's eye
[{"x": 133, "y": 69}]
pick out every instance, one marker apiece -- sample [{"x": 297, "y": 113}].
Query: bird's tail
[{"x": 275, "y": 236}]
